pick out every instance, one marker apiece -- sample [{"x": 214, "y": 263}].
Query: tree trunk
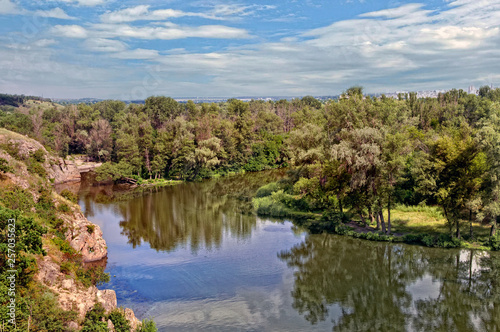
[
  {"x": 362, "y": 218},
  {"x": 457, "y": 225},
  {"x": 378, "y": 221},
  {"x": 493, "y": 230},
  {"x": 450, "y": 222},
  {"x": 389, "y": 215},
  {"x": 380, "y": 212},
  {"x": 370, "y": 214},
  {"x": 470, "y": 224},
  {"x": 382, "y": 221}
]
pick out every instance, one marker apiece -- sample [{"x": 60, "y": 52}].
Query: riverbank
[
  {"x": 420, "y": 225},
  {"x": 60, "y": 256}
]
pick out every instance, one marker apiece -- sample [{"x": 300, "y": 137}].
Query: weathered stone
[
  {"x": 107, "y": 298},
  {"x": 85, "y": 237},
  {"x": 49, "y": 272},
  {"x": 72, "y": 326},
  {"x": 68, "y": 284},
  {"x": 130, "y": 316},
  {"x": 111, "y": 327}
]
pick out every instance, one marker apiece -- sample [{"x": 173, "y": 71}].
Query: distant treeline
[
  {"x": 18, "y": 100},
  {"x": 358, "y": 152}
]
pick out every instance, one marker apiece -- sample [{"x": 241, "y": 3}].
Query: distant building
[{"x": 472, "y": 90}]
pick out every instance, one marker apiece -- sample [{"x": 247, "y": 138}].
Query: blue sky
[{"x": 206, "y": 48}]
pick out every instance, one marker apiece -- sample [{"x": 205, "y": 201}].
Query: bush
[
  {"x": 92, "y": 276},
  {"x": 90, "y": 229},
  {"x": 17, "y": 199},
  {"x": 64, "y": 246},
  {"x": 64, "y": 208},
  {"x": 495, "y": 242},
  {"x": 268, "y": 206},
  {"x": 69, "y": 196},
  {"x": 39, "y": 156},
  {"x": 119, "y": 321},
  {"x": 267, "y": 190},
  {"x": 4, "y": 166},
  {"x": 94, "y": 320},
  {"x": 148, "y": 325},
  {"x": 36, "y": 168}
]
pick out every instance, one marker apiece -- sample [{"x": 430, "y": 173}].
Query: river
[{"x": 192, "y": 258}]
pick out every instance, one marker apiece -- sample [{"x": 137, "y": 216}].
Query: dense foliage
[
  {"x": 363, "y": 155},
  {"x": 357, "y": 154}
]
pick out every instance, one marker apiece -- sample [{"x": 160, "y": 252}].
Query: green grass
[{"x": 429, "y": 220}]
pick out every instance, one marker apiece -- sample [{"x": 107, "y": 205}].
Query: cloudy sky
[{"x": 130, "y": 49}]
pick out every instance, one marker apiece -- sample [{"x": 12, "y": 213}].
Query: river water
[{"x": 193, "y": 259}]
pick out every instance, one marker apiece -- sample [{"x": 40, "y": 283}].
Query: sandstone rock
[
  {"x": 111, "y": 327},
  {"x": 68, "y": 284},
  {"x": 107, "y": 298},
  {"x": 85, "y": 237},
  {"x": 49, "y": 272},
  {"x": 130, "y": 316},
  {"x": 72, "y": 326}
]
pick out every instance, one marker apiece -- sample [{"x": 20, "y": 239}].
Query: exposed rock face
[
  {"x": 58, "y": 169},
  {"x": 85, "y": 237},
  {"x": 71, "y": 295}
]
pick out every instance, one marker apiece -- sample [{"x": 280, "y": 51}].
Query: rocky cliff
[{"x": 82, "y": 235}]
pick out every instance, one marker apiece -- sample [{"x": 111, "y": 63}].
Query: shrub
[
  {"x": 39, "y": 156},
  {"x": 17, "y": 199},
  {"x": 495, "y": 242},
  {"x": 4, "y": 166},
  {"x": 92, "y": 276},
  {"x": 36, "y": 168},
  {"x": 64, "y": 208},
  {"x": 94, "y": 320},
  {"x": 69, "y": 196},
  {"x": 64, "y": 246},
  {"x": 12, "y": 149},
  {"x": 148, "y": 325},
  {"x": 446, "y": 241},
  {"x": 267, "y": 190},
  {"x": 119, "y": 321},
  {"x": 90, "y": 229}
]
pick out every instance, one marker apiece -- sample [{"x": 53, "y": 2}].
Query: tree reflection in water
[
  {"x": 373, "y": 284},
  {"x": 191, "y": 214}
]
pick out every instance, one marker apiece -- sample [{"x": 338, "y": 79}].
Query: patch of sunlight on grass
[{"x": 427, "y": 219}]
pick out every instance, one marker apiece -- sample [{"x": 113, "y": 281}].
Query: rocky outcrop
[
  {"x": 84, "y": 236},
  {"x": 72, "y": 296},
  {"x": 58, "y": 169}
]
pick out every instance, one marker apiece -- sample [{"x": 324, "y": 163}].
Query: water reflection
[
  {"x": 384, "y": 287},
  {"x": 193, "y": 214}
]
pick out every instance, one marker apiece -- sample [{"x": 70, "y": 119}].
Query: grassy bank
[{"x": 422, "y": 225}]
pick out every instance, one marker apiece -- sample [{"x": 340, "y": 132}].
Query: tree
[{"x": 100, "y": 143}]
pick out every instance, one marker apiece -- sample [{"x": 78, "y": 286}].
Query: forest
[{"x": 354, "y": 157}]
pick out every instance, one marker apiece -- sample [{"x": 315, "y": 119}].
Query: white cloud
[
  {"x": 8, "y": 7},
  {"x": 44, "y": 42},
  {"x": 217, "y": 12},
  {"x": 405, "y": 10},
  {"x": 88, "y": 3},
  {"x": 453, "y": 37},
  {"x": 54, "y": 13},
  {"x": 105, "y": 45},
  {"x": 410, "y": 47},
  {"x": 142, "y": 13},
  {"x": 162, "y": 33},
  {"x": 137, "y": 54},
  {"x": 224, "y": 10},
  {"x": 70, "y": 31}
]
